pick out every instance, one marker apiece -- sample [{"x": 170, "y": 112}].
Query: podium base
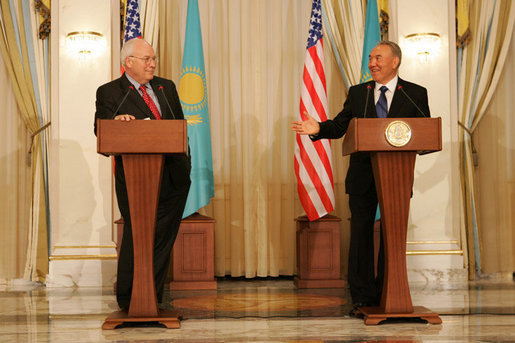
[
  {"x": 308, "y": 283},
  {"x": 375, "y": 315},
  {"x": 170, "y": 319}
]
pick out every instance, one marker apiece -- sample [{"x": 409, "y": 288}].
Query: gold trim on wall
[
  {"x": 114, "y": 256},
  {"x": 83, "y": 257},
  {"x": 83, "y": 246},
  {"x": 432, "y": 242},
  {"x": 434, "y": 252}
]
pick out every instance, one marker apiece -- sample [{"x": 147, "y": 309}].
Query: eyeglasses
[{"x": 147, "y": 60}]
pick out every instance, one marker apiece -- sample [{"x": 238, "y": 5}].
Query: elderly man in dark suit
[
  {"x": 138, "y": 94},
  {"x": 386, "y": 96}
]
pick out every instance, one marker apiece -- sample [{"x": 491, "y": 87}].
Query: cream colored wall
[
  {"x": 434, "y": 216},
  {"x": 80, "y": 179}
]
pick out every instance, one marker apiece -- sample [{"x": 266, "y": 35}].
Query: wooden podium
[
  {"x": 142, "y": 144},
  {"x": 393, "y": 145}
]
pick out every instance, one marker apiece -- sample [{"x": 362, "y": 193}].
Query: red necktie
[{"x": 150, "y": 103}]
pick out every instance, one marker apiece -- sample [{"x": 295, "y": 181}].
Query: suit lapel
[
  {"x": 160, "y": 98},
  {"x": 371, "y": 106},
  {"x": 135, "y": 98},
  {"x": 398, "y": 101}
]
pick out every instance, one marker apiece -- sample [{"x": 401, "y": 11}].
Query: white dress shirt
[
  {"x": 149, "y": 90},
  {"x": 391, "y": 85}
]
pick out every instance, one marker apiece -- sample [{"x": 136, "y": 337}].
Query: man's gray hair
[
  {"x": 128, "y": 49},
  {"x": 396, "y": 50}
]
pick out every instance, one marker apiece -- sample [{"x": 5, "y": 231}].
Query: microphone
[
  {"x": 173, "y": 115},
  {"x": 167, "y": 103},
  {"x": 123, "y": 100},
  {"x": 366, "y": 101},
  {"x": 411, "y": 100}
]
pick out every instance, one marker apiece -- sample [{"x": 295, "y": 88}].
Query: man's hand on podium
[{"x": 124, "y": 117}]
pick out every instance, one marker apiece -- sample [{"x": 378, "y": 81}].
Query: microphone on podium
[
  {"x": 411, "y": 100},
  {"x": 366, "y": 103},
  {"x": 123, "y": 100},
  {"x": 167, "y": 103}
]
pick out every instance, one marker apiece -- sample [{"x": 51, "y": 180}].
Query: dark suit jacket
[
  {"x": 109, "y": 96},
  {"x": 360, "y": 175}
]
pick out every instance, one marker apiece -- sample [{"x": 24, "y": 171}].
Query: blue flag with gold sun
[
  {"x": 193, "y": 96},
  {"x": 372, "y": 37}
]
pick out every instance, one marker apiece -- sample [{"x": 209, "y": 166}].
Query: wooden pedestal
[
  {"x": 375, "y": 315},
  {"x": 318, "y": 253},
  {"x": 170, "y": 319},
  {"x": 194, "y": 254}
]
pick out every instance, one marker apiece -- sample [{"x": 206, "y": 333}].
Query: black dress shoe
[{"x": 355, "y": 310}]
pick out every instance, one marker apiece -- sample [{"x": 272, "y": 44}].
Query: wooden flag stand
[
  {"x": 194, "y": 254},
  {"x": 318, "y": 253}
]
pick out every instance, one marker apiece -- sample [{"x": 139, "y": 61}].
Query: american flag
[
  {"x": 132, "y": 22},
  {"x": 313, "y": 165}
]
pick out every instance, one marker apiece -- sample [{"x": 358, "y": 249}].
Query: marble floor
[{"x": 260, "y": 311}]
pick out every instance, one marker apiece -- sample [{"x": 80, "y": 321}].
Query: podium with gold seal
[{"x": 393, "y": 144}]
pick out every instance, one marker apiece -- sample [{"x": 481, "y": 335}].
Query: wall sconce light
[
  {"x": 424, "y": 45},
  {"x": 85, "y": 44}
]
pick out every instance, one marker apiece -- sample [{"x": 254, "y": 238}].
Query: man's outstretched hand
[{"x": 306, "y": 127}]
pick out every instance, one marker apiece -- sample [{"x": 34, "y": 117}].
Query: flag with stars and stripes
[
  {"x": 313, "y": 165},
  {"x": 132, "y": 27}
]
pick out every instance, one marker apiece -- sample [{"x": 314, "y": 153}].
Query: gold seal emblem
[{"x": 398, "y": 133}]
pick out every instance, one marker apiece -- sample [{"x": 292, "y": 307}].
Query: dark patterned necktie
[
  {"x": 150, "y": 103},
  {"x": 382, "y": 104}
]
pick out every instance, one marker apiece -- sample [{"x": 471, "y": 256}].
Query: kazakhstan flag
[
  {"x": 193, "y": 95},
  {"x": 372, "y": 37}
]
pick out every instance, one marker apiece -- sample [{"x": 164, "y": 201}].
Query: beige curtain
[
  {"x": 480, "y": 65},
  {"x": 495, "y": 143},
  {"x": 150, "y": 20},
  {"x": 14, "y": 183},
  {"x": 344, "y": 22},
  {"x": 26, "y": 69},
  {"x": 254, "y": 56}
]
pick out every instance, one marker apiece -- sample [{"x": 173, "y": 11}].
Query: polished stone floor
[{"x": 260, "y": 311}]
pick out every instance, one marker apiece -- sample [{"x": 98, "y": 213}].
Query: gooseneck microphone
[
  {"x": 167, "y": 103},
  {"x": 123, "y": 100},
  {"x": 411, "y": 100},
  {"x": 366, "y": 101}
]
